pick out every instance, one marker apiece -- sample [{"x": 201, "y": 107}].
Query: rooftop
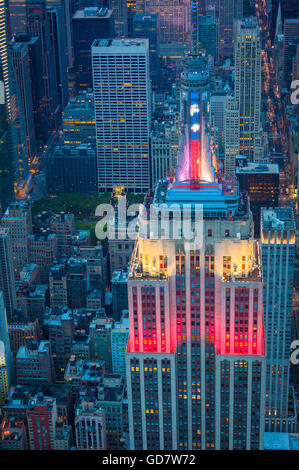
[
  {"x": 215, "y": 199},
  {"x": 93, "y": 13},
  {"x": 258, "y": 168},
  {"x": 278, "y": 219},
  {"x": 120, "y": 45}
]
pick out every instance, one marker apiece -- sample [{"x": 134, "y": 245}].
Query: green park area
[{"x": 82, "y": 205}]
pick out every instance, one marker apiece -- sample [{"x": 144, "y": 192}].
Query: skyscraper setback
[
  {"x": 196, "y": 353},
  {"x": 248, "y": 87},
  {"x": 196, "y": 329},
  {"x": 278, "y": 257}
]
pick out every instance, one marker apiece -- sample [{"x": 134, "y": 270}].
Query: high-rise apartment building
[
  {"x": 64, "y": 226},
  {"x": 231, "y": 136},
  {"x": 111, "y": 393},
  {"x": 41, "y": 419},
  {"x": 123, "y": 112},
  {"x": 17, "y": 218},
  {"x": 119, "y": 287},
  {"x": 20, "y": 333},
  {"x": 248, "y": 87},
  {"x": 61, "y": 332},
  {"x": 90, "y": 425},
  {"x": 42, "y": 250},
  {"x": 7, "y": 281},
  {"x": 34, "y": 364},
  {"x": 100, "y": 341},
  {"x": 77, "y": 283},
  {"x": 89, "y": 24},
  {"x": 196, "y": 353},
  {"x": 14, "y": 105},
  {"x": 278, "y": 257},
  {"x": 119, "y": 342}
]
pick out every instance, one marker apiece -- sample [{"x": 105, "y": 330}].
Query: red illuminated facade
[
  {"x": 41, "y": 417},
  {"x": 196, "y": 357}
]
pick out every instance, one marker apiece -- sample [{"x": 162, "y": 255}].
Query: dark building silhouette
[
  {"x": 71, "y": 169},
  {"x": 262, "y": 184},
  {"x": 89, "y": 24}
]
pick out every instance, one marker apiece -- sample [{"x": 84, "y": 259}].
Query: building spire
[{"x": 278, "y": 29}]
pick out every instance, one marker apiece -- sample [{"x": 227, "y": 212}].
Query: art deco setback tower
[
  {"x": 122, "y": 111},
  {"x": 248, "y": 87},
  {"x": 195, "y": 359},
  {"x": 278, "y": 255}
]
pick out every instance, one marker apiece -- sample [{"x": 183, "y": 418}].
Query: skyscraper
[
  {"x": 232, "y": 136},
  {"x": 145, "y": 26},
  {"x": 6, "y": 159},
  {"x": 37, "y": 25},
  {"x": 196, "y": 337},
  {"x": 90, "y": 425},
  {"x": 291, "y": 32},
  {"x": 17, "y": 218},
  {"x": 120, "y": 14},
  {"x": 173, "y": 18},
  {"x": 196, "y": 329},
  {"x": 248, "y": 87},
  {"x": 89, "y": 24},
  {"x": 123, "y": 112},
  {"x": 78, "y": 120},
  {"x": 278, "y": 257},
  {"x": 229, "y": 11},
  {"x": 6, "y": 359},
  {"x": 15, "y": 112},
  {"x": 21, "y": 63},
  {"x": 58, "y": 41},
  {"x": 7, "y": 282},
  {"x": 36, "y": 84},
  {"x": 41, "y": 418}
]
